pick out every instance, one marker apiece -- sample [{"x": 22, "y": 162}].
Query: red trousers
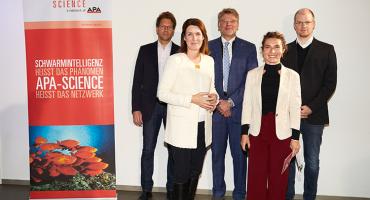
[{"x": 266, "y": 157}]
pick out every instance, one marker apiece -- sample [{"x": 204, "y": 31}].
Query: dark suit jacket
[
  {"x": 144, "y": 87},
  {"x": 244, "y": 58},
  {"x": 318, "y": 77}
]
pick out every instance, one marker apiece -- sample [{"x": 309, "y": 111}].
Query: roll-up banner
[{"x": 70, "y": 99}]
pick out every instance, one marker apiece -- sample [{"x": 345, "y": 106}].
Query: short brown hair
[
  {"x": 202, "y": 27},
  {"x": 225, "y": 11},
  {"x": 166, "y": 15},
  {"x": 276, "y": 35}
]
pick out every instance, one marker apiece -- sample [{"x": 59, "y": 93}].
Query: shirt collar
[
  {"x": 230, "y": 41},
  {"x": 304, "y": 45},
  {"x": 160, "y": 46}
]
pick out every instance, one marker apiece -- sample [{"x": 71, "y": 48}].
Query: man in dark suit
[
  {"x": 234, "y": 57},
  {"x": 316, "y": 63},
  {"x": 147, "y": 110}
]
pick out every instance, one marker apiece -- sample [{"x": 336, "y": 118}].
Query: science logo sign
[{"x": 70, "y": 98}]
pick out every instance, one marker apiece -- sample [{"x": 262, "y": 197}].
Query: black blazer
[
  {"x": 318, "y": 77},
  {"x": 145, "y": 83}
]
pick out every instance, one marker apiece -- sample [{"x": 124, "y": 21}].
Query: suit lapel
[
  {"x": 259, "y": 82},
  {"x": 309, "y": 55},
  {"x": 173, "y": 49},
  {"x": 292, "y": 60},
  {"x": 154, "y": 57},
  {"x": 235, "y": 54},
  {"x": 217, "y": 56},
  {"x": 282, "y": 93}
]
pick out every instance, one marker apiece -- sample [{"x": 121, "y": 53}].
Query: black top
[
  {"x": 301, "y": 54},
  {"x": 269, "y": 92},
  {"x": 270, "y": 88}
]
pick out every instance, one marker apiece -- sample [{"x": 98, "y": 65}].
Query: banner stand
[{"x": 70, "y": 99}]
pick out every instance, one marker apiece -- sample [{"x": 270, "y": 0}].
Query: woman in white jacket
[
  {"x": 271, "y": 120},
  {"x": 187, "y": 86}
]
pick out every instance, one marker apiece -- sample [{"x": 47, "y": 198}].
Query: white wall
[
  {"x": 13, "y": 87},
  {"x": 345, "y": 154}
]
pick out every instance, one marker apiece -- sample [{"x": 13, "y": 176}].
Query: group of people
[{"x": 209, "y": 92}]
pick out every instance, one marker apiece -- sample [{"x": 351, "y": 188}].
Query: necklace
[{"x": 195, "y": 60}]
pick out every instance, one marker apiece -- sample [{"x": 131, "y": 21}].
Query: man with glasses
[
  {"x": 316, "y": 63},
  {"x": 233, "y": 57},
  {"x": 147, "y": 110}
]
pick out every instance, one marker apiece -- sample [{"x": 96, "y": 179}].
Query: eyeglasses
[
  {"x": 229, "y": 22},
  {"x": 299, "y": 23},
  {"x": 163, "y": 27}
]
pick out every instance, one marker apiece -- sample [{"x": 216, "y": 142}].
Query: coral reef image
[{"x": 72, "y": 158}]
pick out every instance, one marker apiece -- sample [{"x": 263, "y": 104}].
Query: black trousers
[{"x": 188, "y": 163}]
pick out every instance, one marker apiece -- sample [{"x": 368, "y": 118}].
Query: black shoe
[
  {"x": 218, "y": 198},
  {"x": 169, "y": 195},
  {"x": 193, "y": 188},
  {"x": 145, "y": 195},
  {"x": 180, "y": 191}
]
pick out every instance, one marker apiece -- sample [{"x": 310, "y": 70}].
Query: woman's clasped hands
[{"x": 205, "y": 100}]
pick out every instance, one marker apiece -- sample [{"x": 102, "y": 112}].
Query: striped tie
[{"x": 225, "y": 65}]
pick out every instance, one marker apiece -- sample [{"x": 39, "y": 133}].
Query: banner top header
[{"x": 66, "y": 10}]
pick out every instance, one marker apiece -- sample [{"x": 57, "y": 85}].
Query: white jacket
[
  {"x": 180, "y": 80},
  {"x": 288, "y": 104}
]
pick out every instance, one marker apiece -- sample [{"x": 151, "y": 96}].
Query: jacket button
[{"x": 276, "y": 114}]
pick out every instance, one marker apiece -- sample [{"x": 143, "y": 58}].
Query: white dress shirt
[
  {"x": 305, "y": 44},
  {"x": 163, "y": 54}
]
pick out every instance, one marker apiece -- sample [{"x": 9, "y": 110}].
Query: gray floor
[{"x": 20, "y": 192}]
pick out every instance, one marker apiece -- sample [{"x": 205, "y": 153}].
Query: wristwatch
[{"x": 231, "y": 102}]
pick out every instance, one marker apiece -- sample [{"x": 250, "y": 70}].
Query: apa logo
[{"x": 94, "y": 10}]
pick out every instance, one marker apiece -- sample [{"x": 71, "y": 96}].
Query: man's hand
[
  {"x": 137, "y": 118},
  {"x": 305, "y": 111},
  {"x": 224, "y": 108}
]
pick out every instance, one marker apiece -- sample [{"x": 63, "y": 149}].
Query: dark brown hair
[
  {"x": 200, "y": 25},
  {"x": 166, "y": 15},
  {"x": 276, "y": 35}
]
